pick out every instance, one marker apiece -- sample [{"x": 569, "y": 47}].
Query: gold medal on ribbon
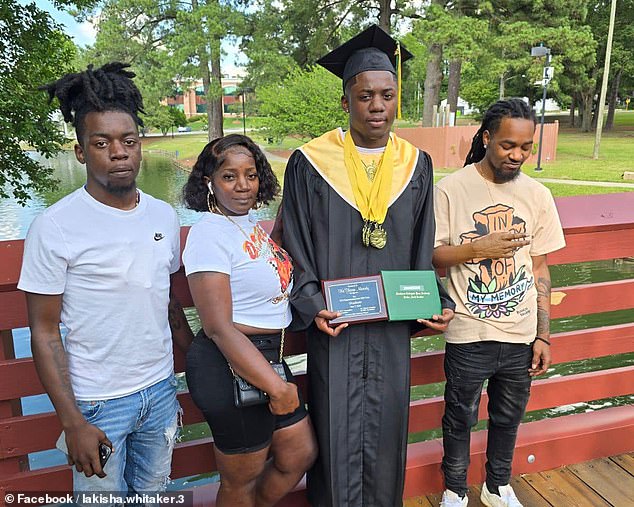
[
  {"x": 378, "y": 237},
  {"x": 371, "y": 186},
  {"x": 365, "y": 233}
]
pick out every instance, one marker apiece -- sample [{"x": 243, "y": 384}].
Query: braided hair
[
  {"x": 109, "y": 88},
  {"x": 210, "y": 160},
  {"x": 509, "y": 108}
]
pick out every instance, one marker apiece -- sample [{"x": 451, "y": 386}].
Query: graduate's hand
[
  {"x": 439, "y": 322},
  {"x": 322, "y": 321},
  {"x": 541, "y": 358}
]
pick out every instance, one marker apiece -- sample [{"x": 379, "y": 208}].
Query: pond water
[{"x": 159, "y": 178}]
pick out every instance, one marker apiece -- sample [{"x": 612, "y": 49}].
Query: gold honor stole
[{"x": 325, "y": 154}]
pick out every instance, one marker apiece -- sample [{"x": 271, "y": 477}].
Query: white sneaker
[
  {"x": 451, "y": 499},
  {"x": 506, "y": 498}
]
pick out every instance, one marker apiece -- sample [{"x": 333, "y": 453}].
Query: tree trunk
[
  {"x": 614, "y": 92},
  {"x": 385, "y": 14},
  {"x": 216, "y": 110},
  {"x": 586, "y": 121},
  {"x": 453, "y": 85},
  {"x": 433, "y": 80},
  {"x": 580, "y": 105},
  {"x": 572, "y": 111},
  {"x": 595, "y": 105}
]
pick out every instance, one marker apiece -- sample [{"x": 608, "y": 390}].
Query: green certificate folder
[{"x": 411, "y": 295}]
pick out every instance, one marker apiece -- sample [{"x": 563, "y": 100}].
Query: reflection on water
[{"x": 157, "y": 177}]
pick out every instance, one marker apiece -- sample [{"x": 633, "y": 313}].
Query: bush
[
  {"x": 306, "y": 103},
  {"x": 196, "y": 117}
]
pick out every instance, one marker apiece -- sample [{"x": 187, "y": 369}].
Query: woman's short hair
[{"x": 213, "y": 156}]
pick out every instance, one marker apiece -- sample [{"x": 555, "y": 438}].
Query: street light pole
[
  {"x": 604, "y": 85},
  {"x": 541, "y": 50}
]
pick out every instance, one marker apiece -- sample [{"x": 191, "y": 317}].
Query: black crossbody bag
[{"x": 247, "y": 395}]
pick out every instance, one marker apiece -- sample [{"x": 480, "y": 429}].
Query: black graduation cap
[{"x": 372, "y": 49}]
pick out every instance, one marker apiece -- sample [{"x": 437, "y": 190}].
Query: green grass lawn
[
  {"x": 624, "y": 118},
  {"x": 563, "y": 190},
  {"x": 574, "y": 156},
  {"x": 188, "y": 146}
]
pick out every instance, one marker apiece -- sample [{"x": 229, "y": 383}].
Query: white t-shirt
[
  {"x": 113, "y": 268},
  {"x": 260, "y": 272},
  {"x": 495, "y": 299}
]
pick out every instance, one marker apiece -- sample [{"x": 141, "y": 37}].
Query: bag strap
[{"x": 282, "y": 345}]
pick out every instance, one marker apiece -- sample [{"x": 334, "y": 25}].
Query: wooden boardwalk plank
[
  {"x": 419, "y": 501},
  {"x": 611, "y": 482},
  {"x": 626, "y": 462},
  {"x": 562, "y": 487},
  {"x": 526, "y": 493},
  {"x": 606, "y": 482}
]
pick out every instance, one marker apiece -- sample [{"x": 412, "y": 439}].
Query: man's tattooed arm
[
  {"x": 543, "y": 302},
  {"x": 181, "y": 332}
]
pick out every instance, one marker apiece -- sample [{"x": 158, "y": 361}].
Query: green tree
[
  {"x": 622, "y": 61},
  {"x": 178, "y": 117},
  {"x": 306, "y": 103},
  {"x": 168, "y": 41},
  {"x": 34, "y": 51},
  {"x": 452, "y": 36},
  {"x": 282, "y": 35},
  {"x": 159, "y": 117},
  {"x": 489, "y": 42}
]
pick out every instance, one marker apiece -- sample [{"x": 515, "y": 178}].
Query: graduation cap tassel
[{"x": 398, "y": 77}]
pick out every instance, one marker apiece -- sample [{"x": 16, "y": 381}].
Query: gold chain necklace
[
  {"x": 246, "y": 236},
  {"x": 277, "y": 299},
  {"x": 478, "y": 167}
]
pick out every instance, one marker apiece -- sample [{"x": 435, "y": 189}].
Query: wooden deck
[{"x": 605, "y": 482}]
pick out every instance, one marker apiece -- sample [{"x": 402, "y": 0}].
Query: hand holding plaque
[
  {"x": 358, "y": 299},
  {"x": 392, "y": 295}
]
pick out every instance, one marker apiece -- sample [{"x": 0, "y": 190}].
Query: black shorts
[{"x": 210, "y": 382}]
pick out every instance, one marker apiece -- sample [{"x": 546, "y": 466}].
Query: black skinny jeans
[{"x": 467, "y": 366}]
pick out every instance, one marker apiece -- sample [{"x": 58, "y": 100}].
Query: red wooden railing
[{"x": 596, "y": 227}]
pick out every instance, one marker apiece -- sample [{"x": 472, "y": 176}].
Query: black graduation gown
[{"x": 358, "y": 381}]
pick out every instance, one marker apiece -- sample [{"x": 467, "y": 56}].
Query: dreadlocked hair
[
  {"x": 509, "y": 108},
  {"x": 213, "y": 156},
  {"x": 109, "y": 88}
]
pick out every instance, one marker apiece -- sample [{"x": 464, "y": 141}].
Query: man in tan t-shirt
[{"x": 494, "y": 228}]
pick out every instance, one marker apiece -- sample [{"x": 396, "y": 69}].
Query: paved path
[
  {"x": 587, "y": 183},
  {"x": 272, "y": 157},
  {"x": 571, "y": 182}
]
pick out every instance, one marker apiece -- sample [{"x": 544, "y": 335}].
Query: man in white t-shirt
[
  {"x": 494, "y": 228},
  {"x": 100, "y": 260}
]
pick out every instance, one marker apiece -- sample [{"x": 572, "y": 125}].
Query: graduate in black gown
[{"x": 356, "y": 203}]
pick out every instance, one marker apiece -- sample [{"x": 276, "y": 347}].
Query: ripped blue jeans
[{"x": 143, "y": 428}]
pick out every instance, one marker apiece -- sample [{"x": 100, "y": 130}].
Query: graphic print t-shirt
[
  {"x": 495, "y": 299},
  {"x": 261, "y": 273}
]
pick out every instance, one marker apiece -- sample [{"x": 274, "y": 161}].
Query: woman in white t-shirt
[{"x": 240, "y": 281}]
